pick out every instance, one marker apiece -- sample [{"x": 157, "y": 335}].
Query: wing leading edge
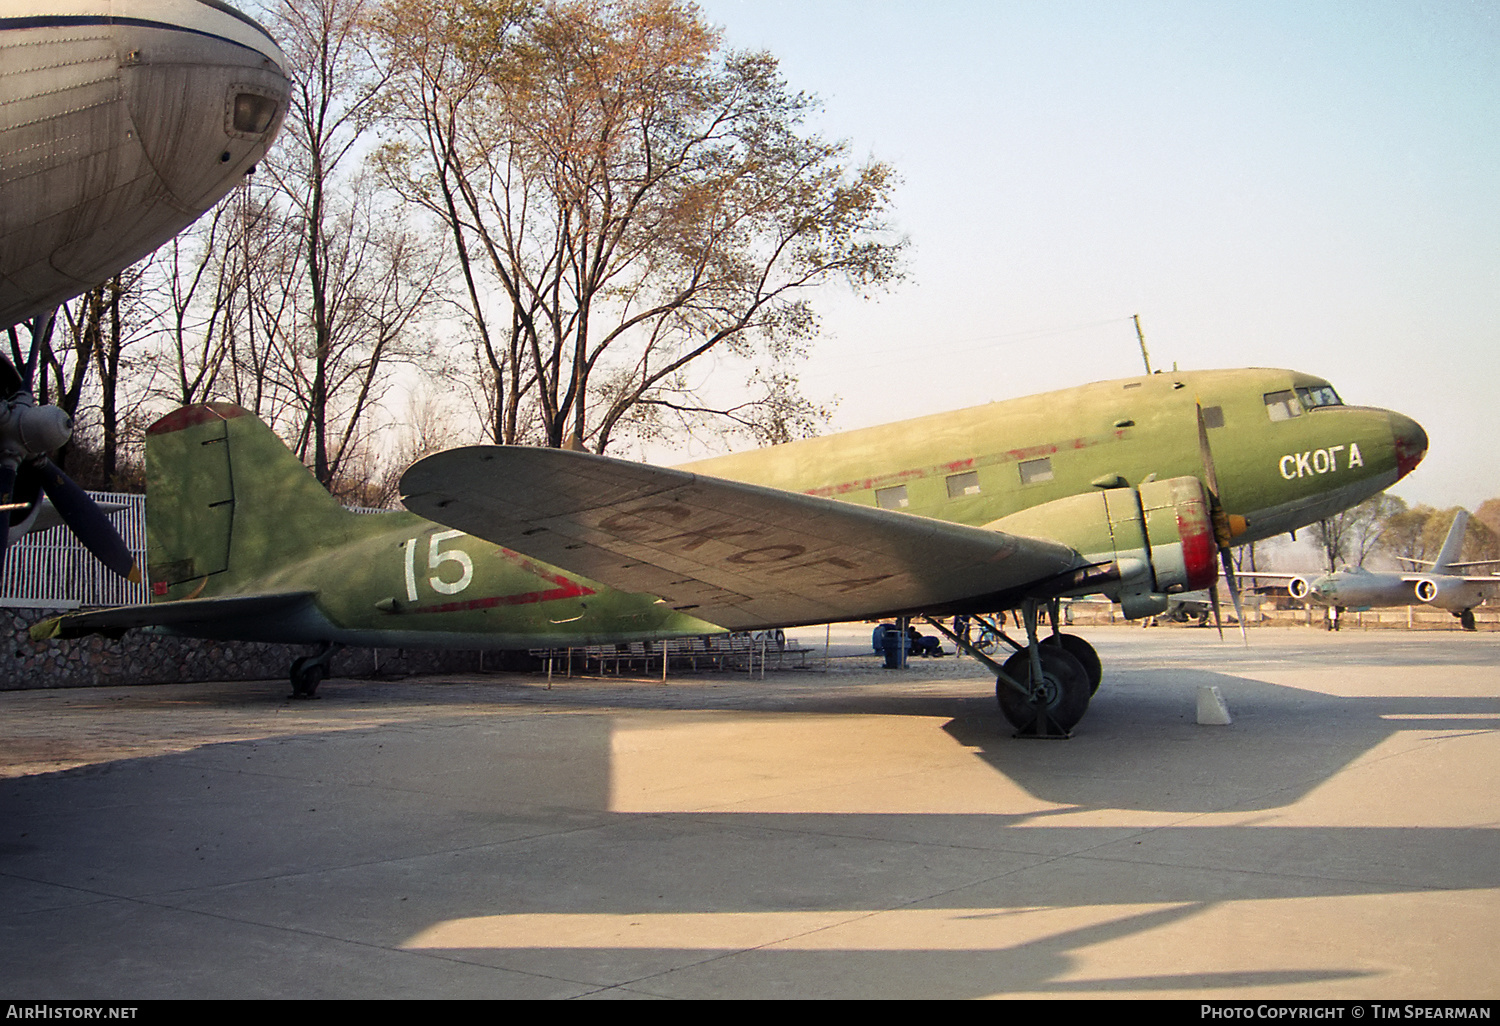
[{"x": 739, "y": 555}]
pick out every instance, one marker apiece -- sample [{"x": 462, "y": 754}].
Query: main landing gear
[
  {"x": 1045, "y": 686},
  {"x": 309, "y": 671}
]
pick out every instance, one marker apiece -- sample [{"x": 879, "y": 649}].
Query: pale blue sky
[{"x": 1312, "y": 185}]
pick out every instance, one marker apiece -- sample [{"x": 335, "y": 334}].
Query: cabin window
[
  {"x": 1213, "y": 416},
  {"x": 252, "y": 114},
  {"x": 960, "y": 485},
  {"x": 892, "y": 498},
  {"x": 1036, "y": 471},
  {"x": 1283, "y": 405},
  {"x": 1319, "y": 395}
]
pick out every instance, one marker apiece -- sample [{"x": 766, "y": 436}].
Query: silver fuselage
[
  {"x": 1358, "y": 588},
  {"x": 121, "y": 122}
]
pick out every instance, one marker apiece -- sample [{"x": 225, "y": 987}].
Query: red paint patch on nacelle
[{"x": 1199, "y": 550}]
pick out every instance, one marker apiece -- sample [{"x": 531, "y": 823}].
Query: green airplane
[{"x": 1129, "y": 489}]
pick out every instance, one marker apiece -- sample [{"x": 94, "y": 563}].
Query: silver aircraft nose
[{"x": 134, "y": 118}]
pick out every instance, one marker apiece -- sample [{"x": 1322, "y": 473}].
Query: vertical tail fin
[
  {"x": 227, "y": 503},
  {"x": 1453, "y": 545}
]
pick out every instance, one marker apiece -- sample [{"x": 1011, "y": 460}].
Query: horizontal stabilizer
[
  {"x": 735, "y": 554},
  {"x": 168, "y": 614}
]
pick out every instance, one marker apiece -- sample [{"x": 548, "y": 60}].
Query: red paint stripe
[
  {"x": 571, "y": 589},
  {"x": 903, "y": 476},
  {"x": 191, "y": 416}
]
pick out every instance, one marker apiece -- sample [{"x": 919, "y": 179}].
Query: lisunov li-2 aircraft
[
  {"x": 121, "y": 122},
  {"x": 1125, "y": 488},
  {"x": 1099, "y": 489},
  {"x": 1444, "y": 586}
]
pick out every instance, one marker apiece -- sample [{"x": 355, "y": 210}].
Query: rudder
[{"x": 226, "y": 502}]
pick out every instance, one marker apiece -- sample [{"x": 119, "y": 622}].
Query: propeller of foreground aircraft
[
  {"x": 1223, "y": 534},
  {"x": 28, "y": 433}
]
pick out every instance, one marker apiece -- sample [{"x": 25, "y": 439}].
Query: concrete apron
[{"x": 855, "y": 833}]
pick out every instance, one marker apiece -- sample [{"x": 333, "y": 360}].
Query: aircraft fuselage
[
  {"x": 230, "y": 512},
  {"x": 121, "y": 122},
  {"x": 1358, "y": 588},
  {"x": 1281, "y": 463}
]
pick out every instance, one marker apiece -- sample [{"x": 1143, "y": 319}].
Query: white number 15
[{"x": 436, "y": 558}]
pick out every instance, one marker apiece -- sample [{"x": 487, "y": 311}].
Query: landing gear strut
[
  {"x": 1044, "y": 688},
  {"x": 309, "y": 671}
]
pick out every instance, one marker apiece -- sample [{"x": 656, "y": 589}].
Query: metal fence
[{"x": 51, "y": 570}]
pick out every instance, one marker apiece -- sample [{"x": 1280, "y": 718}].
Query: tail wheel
[
  {"x": 307, "y": 673},
  {"x": 1064, "y": 688},
  {"x": 1083, "y": 652}
]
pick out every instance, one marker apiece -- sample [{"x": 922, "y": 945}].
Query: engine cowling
[
  {"x": 1299, "y": 588},
  {"x": 1145, "y": 543},
  {"x": 1451, "y": 593}
]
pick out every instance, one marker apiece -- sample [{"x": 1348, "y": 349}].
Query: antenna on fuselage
[{"x": 1145, "y": 357}]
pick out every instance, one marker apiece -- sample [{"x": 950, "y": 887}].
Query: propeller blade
[
  {"x": 7, "y": 486},
  {"x": 1224, "y": 530},
  {"x": 1234, "y": 591},
  {"x": 87, "y": 521},
  {"x": 1213, "y": 600},
  {"x": 10, "y": 378},
  {"x": 1210, "y": 476}
]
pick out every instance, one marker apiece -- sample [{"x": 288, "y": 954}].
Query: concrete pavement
[{"x": 850, "y": 833}]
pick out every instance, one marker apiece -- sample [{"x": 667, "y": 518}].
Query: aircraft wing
[
  {"x": 185, "y": 613},
  {"x": 1481, "y": 579},
  {"x": 738, "y": 555},
  {"x": 1451, "y": 566}
]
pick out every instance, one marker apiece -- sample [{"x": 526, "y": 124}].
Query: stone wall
[{"x": 141, "y": 658}]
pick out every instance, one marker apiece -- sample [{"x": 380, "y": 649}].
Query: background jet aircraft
[
  {"x": 1443, "y": 586},
  {"x": 1123, "y": 488},
  {"x": 120, "y": 124}
]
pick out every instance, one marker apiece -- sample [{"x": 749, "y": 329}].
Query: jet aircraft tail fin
[
  {"x": 228, "y": 505},
  {"x": 1452, "y": 545}
]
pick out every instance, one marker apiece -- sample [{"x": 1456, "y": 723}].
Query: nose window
[
  {"x": 253, "y": 113},
  {"x": 1321, "y": 395}
]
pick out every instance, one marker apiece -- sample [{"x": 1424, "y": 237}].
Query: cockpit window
[
  {"x": 1319, "y": 395},
  {"x": 1283, "y": 405}
]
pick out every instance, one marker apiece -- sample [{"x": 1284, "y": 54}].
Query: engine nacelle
[
  {"x": 1451, "y": 593},
  {"x": 1145, "y": 543},
  {"x": 1299, "y": 588}
]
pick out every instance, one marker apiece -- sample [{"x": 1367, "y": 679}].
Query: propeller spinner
[{"x": 29, "y": 432}]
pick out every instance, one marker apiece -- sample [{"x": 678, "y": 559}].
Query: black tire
[
  {"x": 1065, "y": 683},
  {"x": 1084, "y": 653},
  {"x": 306, "y": 676},
  {"x": 1466, "y": 620}
]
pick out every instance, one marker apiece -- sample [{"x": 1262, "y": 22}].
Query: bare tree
[
  {"x": 1349, "y": 537},
  {"x": 637, "y": 197},
  {"x": 361, "y": 277}
]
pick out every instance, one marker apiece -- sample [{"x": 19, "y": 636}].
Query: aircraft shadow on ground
[
  {"x": 1149, "y": 752},
  {"x": 512, "y": 816}
]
